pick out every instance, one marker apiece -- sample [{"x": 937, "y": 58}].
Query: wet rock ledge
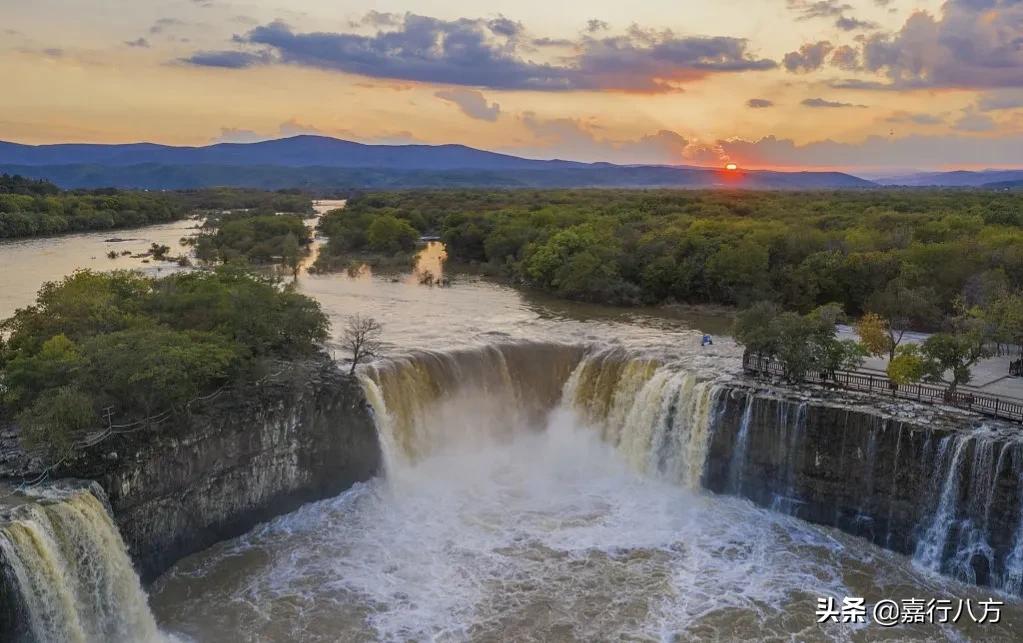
[
  {"x": 943, "y": 487},
  {"x": 241, "y": 459}
]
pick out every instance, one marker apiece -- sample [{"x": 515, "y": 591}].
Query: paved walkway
[{"x": 989, "y": 376}]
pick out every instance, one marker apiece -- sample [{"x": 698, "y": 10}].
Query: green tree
[
  {"x": 55, "y": 364},
  {"x": 291, "y": 253},
  {"x": 835, "y": 354},
  {"x": 391, "y": 234},
  {"x": 56, "y": 419},
  {"x": 1004, "y": 314},
  {"x": 796, "y": 350},
  {"x": 909, "y": 365},
  {"x": 902, "y": 307},
  {"x": 155, "y": 369},
  {"x": 754, "y": 328},
  {"x": 581, "y": 262},
  {"x": 740, "y": 272},
  {"x": 950, "y": 353}
]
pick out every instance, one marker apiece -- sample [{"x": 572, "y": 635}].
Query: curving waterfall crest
[
  {"x": 431, "y": 400},
  {"x": 75, "y": 580},
  {"x": 658, "y": 416}
]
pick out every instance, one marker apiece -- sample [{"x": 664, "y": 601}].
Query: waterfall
[
  {"x": 961, "y": 538},
  {"x": 737, "y": 466},
  {"x": 75, "y": 581},
  {"x": 427, "y": 401},
  {"x": 930, "y": 550},
  {"x": 853, "y": 469},
  {"x": 789, "y": 448},
  {"x": 658, "y": 416}
]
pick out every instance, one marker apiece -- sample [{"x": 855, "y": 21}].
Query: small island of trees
[{"x": 139, "y": 346}]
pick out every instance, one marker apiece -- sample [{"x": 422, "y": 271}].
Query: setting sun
[{"x": 731, "y": 167}]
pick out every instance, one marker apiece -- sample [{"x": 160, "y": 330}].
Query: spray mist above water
[{"x": 536, "y": 492}]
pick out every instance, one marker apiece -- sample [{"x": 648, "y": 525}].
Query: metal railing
[{"x": 991, "y": 405}]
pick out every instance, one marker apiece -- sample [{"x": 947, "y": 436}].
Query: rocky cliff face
[
  {"x": 948, "y": 493},
  {"x": 246, "y": 458}
]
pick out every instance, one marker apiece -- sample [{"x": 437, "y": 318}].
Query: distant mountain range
[
  {"x": 319, "y": 162},
  {"x": 959, "y": 179},
  {"x": 297, "y": 151}
]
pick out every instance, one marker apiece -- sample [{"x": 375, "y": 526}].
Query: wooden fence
[{"x": 999, "y": 407}]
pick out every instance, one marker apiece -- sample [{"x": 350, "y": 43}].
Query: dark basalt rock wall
[
  {"x": 13, "y": 617},
  {"x": 244, "y": 458},
  {"x": 949, "y": 494}
]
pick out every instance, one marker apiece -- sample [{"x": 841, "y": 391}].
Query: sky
[{"x": 859, "y": 85}]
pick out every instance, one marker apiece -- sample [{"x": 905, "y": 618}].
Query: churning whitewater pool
[{"x": 498, "y": 521}]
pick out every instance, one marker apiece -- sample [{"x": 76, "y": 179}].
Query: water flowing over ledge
[
  {"x": 427, "y": 400},
  {"x": 948, "y": 493},
  {"x": 75, "y": 581}
]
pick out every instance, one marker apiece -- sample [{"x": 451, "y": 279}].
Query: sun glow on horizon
[{"x": 731, "y": 167}]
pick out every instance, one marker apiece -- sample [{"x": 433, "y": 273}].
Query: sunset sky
[{"x": 864, "y": 85}]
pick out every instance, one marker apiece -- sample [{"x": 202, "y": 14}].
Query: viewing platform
[{"x": 990, "y": 405}]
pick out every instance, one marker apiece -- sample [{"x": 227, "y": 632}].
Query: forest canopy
[
  {"x": 31, "y": 208},
  {"x": 141, "y": 346},
  {"x": 799, "y": 249}
]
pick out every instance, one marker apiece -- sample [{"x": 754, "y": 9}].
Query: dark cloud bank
[{"x": 496, "y": 54}]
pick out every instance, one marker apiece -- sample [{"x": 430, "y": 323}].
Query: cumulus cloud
[
  {"x": 472, "y": 103},
  {"x": 846, "y": 23},
  {"x": 877, "y": 151},
  {"x": 292, "y": 127},
  {"x": 166, "y": 24},
  {"x": 504, "y": 27},
  {"x": 809, "y": 58},
  {"x": 973, "y": 44},
  {"x": 915, "y": 118},
  {"x": 228, "y": 59},
  {"x": 821, "y": 102},
  {"x": 553, "y": 42},
  {"x": 856, "y": 83},
  {"x": 1000, "y": 99},
  {"x": 492, "y": 53},
  {"x": 580, "y": 140},
  {"x": 237, "y": 135},
  {"x": 759, "y": 103},
  {"x": 810, "y": 9},
  {"x": 846, "y": 57},
  {"x": 972, "y": 121}
]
